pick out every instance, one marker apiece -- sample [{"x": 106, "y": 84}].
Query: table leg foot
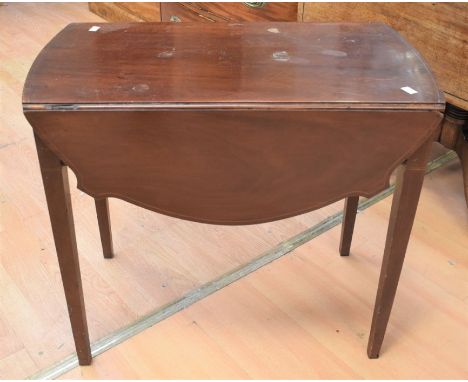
[
  {"x": 102, "y": 212},
  {"x": 405, "y": 200},
  {"x": 347, "y": 227},
  {"x": 55, "y": 179}
]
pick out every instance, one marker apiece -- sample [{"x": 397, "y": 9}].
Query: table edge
[
  {"x": 29, "y": 103},
  {"x": 357, "y": 106}
]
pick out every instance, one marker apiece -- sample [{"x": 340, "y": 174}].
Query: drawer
[
  {"x": 126, "y": 11},
  {"x": 225, "y": 12},
  {"x": 146, "y": 11}
]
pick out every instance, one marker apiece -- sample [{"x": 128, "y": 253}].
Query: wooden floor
[{"x": 306, "y": 315}]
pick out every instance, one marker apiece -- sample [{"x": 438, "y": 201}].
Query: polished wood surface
[
  {"x": 292, "y": 63},
  {"x": 225, "y": 12},
  {"x": 159, "y": 259},
  {"x": 347, "y": 227},
  {"x": 408, "y": 187},
  {"x": 242, "y": 155},
  {"x": 437, "y": 30},
  {"x": 125, "y": 11},
  {"x": 405, "y": 200},
  {"x": 200, "y": 11},
  {"x": 55, "y": 178},
  {"x": 102, "y": 212},
  {"x": 233, "y": 167}
]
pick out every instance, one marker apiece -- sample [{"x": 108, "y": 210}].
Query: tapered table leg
[
  {"x": 405, "y": 200},
  {"x": 55, "y": 179},
  {"x": 102, "y": 211},
  {"x": 347, "y": 227}
]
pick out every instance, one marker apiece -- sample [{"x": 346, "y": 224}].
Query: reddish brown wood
[
  {"x": 126, "y": 11},
  {"x": 102, "y": 211},
  {"x": 225, "y": 12},
  {"x": 232, "y": 124},
  {"x": 55, "y": 179},
  {"x": 233, "y": 167},
  {"x": 405, "y": 201},
  {"x": 437, "y": 29},
  {"x": 347, "y": 65},
  {"x": 347, "y": 227}
]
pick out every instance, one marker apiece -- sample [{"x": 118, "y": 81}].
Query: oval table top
[{"x": 292, "y": 65}]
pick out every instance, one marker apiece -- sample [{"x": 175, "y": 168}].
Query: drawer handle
[
  {"x": 255, "y": 4},
  {"x": 175, "y": 19}
]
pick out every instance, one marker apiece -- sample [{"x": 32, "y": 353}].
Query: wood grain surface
[
  {"x": 225, "y": 12},
  {"x": 165, "y": 257},
  {"x": 408, "y": 187},
  {"x": 437, "y": 30},
  {"x": 57, "y": 191},
  {"x": 233, "y": 167},
  {"x": 199, "y": 11},
  {"x": 126, "y": 11},
  {"x": 230, "y": 63},
  {"x": 239, "y": 166}
]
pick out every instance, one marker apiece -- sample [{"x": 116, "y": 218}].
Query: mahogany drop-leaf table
[{"x": 231, "y": 124}]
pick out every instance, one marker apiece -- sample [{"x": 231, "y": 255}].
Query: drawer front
[
  {"x": 146, "y": 11},
  {"x": 125, "y": 11},
  {"x": 225, "y": 12}
]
